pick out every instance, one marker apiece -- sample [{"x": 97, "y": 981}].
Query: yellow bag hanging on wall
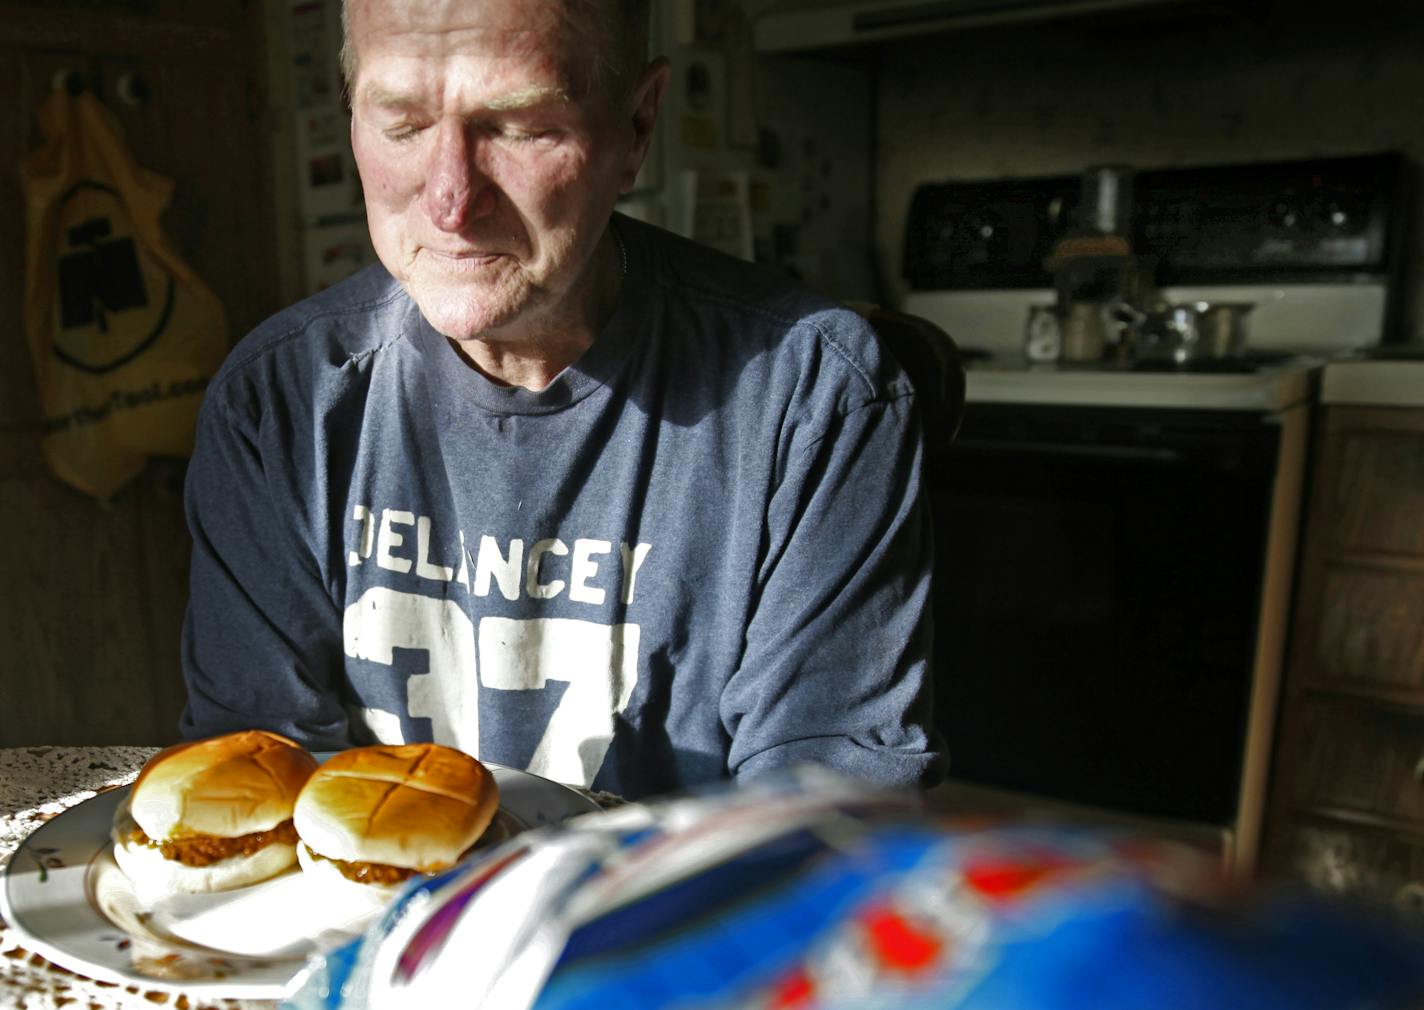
[{"x": 123, "y": 334}]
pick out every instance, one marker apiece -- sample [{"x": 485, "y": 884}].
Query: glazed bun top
[
  {"x": 225, "y": 786},
  {"x": 417, "y": 806}
]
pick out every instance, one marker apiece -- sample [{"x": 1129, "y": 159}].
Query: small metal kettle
[
  {"x": 1222, "y": 328},
  {"x": 1184, "y": 333},
  {"x": 1166, "y": 333}
]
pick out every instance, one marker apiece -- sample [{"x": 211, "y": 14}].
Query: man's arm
[
  {"x": 836, "y": 668},
  {"x": 262, "y": 637}
]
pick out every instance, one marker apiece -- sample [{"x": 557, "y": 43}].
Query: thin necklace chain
[{"x": 622, "y": 251}]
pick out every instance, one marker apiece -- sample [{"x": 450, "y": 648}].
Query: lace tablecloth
[{"x": 37, "y": 784}]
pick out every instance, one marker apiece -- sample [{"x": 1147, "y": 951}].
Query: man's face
[{"x": 489, "y": 163}]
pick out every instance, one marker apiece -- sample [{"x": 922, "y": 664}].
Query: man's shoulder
[
  {"x": 705, "y": 273},
  {"x": 768, "y": 310},
  {"x": 353, "y": 317}
]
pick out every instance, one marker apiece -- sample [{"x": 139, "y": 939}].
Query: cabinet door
[
  {"x": 1370, "y": 629},
  {"x": 1360, "y": 613},
  {"x": 1347, "y": 800},
  {"x": 1376, "y": 492},
  {"x": 1360, "y": 760}
]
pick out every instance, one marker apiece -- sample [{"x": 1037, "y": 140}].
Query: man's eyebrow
[
  {"x": 379, "y": 96},
  {"x": 511, "y": 101},
  {"x": 527, "y": 97}
]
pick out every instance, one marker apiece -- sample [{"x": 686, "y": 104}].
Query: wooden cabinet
[
  {"x": 92, "y": 595},
  {"x": 1347, "y": 791}
]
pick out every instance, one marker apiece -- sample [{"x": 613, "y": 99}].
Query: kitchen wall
[
  {"x": 1055, "y": 98},
  {"x": 791, "y": 135},
  {"x": 92, "y": 593}
]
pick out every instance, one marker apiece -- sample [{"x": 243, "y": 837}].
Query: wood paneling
[
  {"x": 165, "y": 28},
  {"x": 92, "y": 594},
  {"x": 90, "y": 614},
  {"x": 198, "y": 126}
]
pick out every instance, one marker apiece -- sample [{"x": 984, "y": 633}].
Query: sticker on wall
[
  {"x": 719, "y": 208},
  {"x": 335, "y": 252},
  {"x": 704, "y": 105},
  {"x": 314, "y": 85}
]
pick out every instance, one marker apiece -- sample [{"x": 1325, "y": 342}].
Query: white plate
[{"x": 68, "y": 901}]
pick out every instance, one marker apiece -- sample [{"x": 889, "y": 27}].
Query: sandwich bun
[
  {"x": 155, "y": 876},
  {"x": 374, "y": 816},
  {"x": 212, "y": 814}
]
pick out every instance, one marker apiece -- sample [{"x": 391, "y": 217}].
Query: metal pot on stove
[
  {"x": 1184, "y": 333},
  {"x": 1222, "y": 328}
]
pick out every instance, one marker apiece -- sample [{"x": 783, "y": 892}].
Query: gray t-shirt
[{"x": 702, "y": 551}]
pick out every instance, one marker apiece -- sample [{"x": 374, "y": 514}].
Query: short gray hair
[{"x": 622, "y": 42}]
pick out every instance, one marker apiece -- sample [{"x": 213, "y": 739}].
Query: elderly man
[{"x": 550, "y": 485}]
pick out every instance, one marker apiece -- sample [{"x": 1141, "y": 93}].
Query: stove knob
[
  {"x": 1283, "y": 214},
  {"x": 981, "y": 227}
]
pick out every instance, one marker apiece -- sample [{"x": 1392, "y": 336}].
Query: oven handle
[{"x": 1070, "y": 450}]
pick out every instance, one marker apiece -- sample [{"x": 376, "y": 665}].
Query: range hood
[{"x": 793, "y": 25}]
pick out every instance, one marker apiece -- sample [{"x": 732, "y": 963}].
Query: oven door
[{"x": 1097, "y": 586}]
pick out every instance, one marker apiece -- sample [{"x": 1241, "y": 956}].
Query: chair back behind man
[{"x": 931, "y": 359}]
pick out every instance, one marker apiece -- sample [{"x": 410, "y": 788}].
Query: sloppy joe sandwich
[
  {"x": 372, "y": 817},
  {"x": 212, "y": 814}
]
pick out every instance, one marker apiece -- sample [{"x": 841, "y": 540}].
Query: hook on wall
[
  {"x": 70, "y": 81},
  {"x": 132, "y": 88}
]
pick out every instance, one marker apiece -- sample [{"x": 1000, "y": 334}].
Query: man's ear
[{"x": 644, "y": 102}]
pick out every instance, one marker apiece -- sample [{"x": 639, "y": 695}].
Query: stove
[
  {"x": 1308, "y": 244},
  {"x": 1115, "y": 540}
]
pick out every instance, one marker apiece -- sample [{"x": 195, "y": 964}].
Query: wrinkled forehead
[{"x": 554, "y": 35}]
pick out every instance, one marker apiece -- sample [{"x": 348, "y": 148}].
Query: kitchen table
[{"x": 36, "y": 785}]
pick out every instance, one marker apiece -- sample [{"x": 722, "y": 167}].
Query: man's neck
[
  {"x": 532, "y": 367},
  {"x": 549, "y": 344}
]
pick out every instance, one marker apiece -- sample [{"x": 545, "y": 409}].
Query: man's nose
[{"x": 456, "y": 190}]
